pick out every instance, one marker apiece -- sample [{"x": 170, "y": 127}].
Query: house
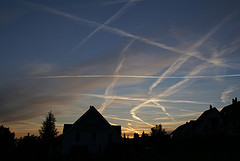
[
  {"x": 212, "y": 122},
  {"x": 91, "y": 133}
]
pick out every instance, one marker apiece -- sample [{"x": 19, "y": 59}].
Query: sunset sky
[{"x": 139, "y": 62}]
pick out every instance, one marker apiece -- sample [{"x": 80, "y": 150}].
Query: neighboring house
[
  {"x": 91, "y": 133},
  {"x": 213, "y": 122}
]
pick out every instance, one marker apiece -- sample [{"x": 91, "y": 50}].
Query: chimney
[{"x": 234, "y": 101}]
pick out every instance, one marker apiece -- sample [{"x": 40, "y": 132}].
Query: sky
[{"x": 139, "y": 62}]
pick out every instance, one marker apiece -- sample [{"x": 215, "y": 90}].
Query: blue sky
[{"x": 139, "y": 62}]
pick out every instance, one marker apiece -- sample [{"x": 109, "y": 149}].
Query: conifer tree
[{"x": 48, "y": 131}]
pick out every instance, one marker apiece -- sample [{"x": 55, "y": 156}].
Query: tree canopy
[
  {"x": 48, "y": 130},
  {"x": 6, "y": 139},
  {"x": 158, "y": 131}
]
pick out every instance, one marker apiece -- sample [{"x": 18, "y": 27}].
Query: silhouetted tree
[
  {"x": 159, "y": 137},
  {"x": 158, "y": 131},
  {"x": 7, "y": 142},
  {"x": 144, "y": 135},
  {"x": 30, "y": 148},
  {"x": 48, "y": 134},
  {"x": 136, "y": 136},
  {"x": 48, "y": 131}
]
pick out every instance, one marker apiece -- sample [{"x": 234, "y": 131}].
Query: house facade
[{"x": 90, "y": 133}]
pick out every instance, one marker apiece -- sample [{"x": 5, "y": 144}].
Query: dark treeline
[
  {"x": 158, "y": 145},
  {"x": 213, "y": 136},
  {"x": 46, "y": 146},
  {"x": 196, "y": 147}
]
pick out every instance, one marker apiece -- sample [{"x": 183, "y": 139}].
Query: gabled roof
[
  {"x": 90, "y": 110},
  {"x": 211, "y": 122},
  {"x": 66, "y": 127},
  {"x": 212, "y": 112}
]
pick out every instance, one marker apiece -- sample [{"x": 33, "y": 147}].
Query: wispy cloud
[
  {"x": 110, "y": 87},
  {"x": 215, "y": 29},
  {"x": 225, "y": 94},
  {"x": 163, "y": 109},
  {"x": 171, "y": 90},
  {"x": 136, "y": 76},
  {"x": 107, "y": 28},
  {"x": 61, "y": 13},
  {"x": 123, "y": 33},
  {"x": 128, "y": 128},
  {"x": 168, "y": 72},
  {"x": 188, "y": 114},
  {"x": 192, "y": 114},
  {"x": 142, "y": 99},
  {"x": 192, "y": 52},
  {"x": 133, "y": 112},
  {"x": 121, "y": 119}
]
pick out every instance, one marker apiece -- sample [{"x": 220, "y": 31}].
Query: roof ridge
[{"x": 92, "y": 108}]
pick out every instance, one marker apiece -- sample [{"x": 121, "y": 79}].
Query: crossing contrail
[
  {"x": 192, "y": 52},
  {"x": 117, "y": 31},
  {"x": 110, "y": 87},
  {"x": 120, "y": 12},
  {"x": 192, "y": 49}
]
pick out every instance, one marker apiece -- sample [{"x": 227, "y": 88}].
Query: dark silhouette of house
[
  {"x": 91, "y": 133},
  {"x": 212, "y": 122}
]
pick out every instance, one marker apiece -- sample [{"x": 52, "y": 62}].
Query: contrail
[
  {"x": 123, "y": 33},
  {"x": 176, "y": 87},
  {"x": 122, "y": 119},
  {"x": 168, "y": 72},
  {"x": 224, "y": 96},
  {"x": 134, "y": 76},
  {"x": 120, "y": 1},
  {"x": 113, "y": 83},
  {"x": 116, "y": 31},
  {"x": 163, "y": 109},
  {"x": 61, "y": 13},
  {"x": 201, "y": 41},
  {"x": 143, "y": 99},
  {"x": 171, "y": 90},
  {"x": 133, "y": 112},
  {"x": 121, "y": 11},
  {"x": 193, "y": 73},
  {"x": 180, "y": 62},
  {"x": 107, "y": 28},
  {"x": 196, "y": 45}
]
